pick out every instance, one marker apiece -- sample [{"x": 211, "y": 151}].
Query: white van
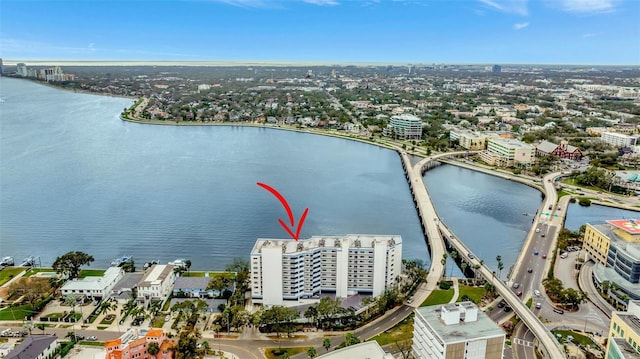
[{"x": 564, "y": 255}]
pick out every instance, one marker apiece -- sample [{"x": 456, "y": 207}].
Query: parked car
[
  {"x": 501, "y": 304},
  {"x": 516, "y": 285},
  {"x": 538, "y": 305},
  {"x": 558, "y": 310},
  {"x": 92, "y": 338},
  {"x": 519, "y": 293},
  {"x": 507, "y": 308}
]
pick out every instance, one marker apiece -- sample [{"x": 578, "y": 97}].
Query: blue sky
[{"x": 386, "y": 31}]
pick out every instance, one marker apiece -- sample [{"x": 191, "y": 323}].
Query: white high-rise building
[
  {"x": 284, "y": 269},
  {"x": 456, "y": 331}
]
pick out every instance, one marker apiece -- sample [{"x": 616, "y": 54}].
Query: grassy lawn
[
  {"x": 438, "y": 296},
  {"x": 34, "y": 271},
  {"x": 91, "y": 273},
  {"x": 91, "y": 343},
  {"x": 529, "y": 302},
  {"x": 192, "y": 274},
  {"x": 400, "y": 332},
  {"x": 101, "y": 327},
  {"x": 273, "y": 353},
  {"x": 55, "y": 315},
  {"x": 474, "y": 293},
  {"x": 577, "y": 338},
  {"x": 158, "y": 321},
  {"x": 18, "y": 312},
  {"x": 108, "y": 319},
  {"x": 7, "y": 273}
]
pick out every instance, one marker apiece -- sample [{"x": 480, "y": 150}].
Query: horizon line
[{"x": 77, "y": 62}]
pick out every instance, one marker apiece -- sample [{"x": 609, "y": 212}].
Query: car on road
[
  {"x": 519, "y": 293},
  {"x": 536, "y": 293},
  {"x": 544, "y": 256},
  {"x": 535, "y": 253},
  {"x": 538, "y": 305},
  {"x": 542, "y": 235},
  {"x": 529, "y": 270},
  {"x": 564, "y": 255},
  {"x": 92, "y": 338},
  {"x": 559, "y": 208},
  {"x": 471, "y": 256},
  {"x": 537, "y": 230},
  {"x": 516, "y": 285},
  {"x": 501, "y": 304},
  {"x": 507, "y": 308},
  {"x": 558, "y": 310}
]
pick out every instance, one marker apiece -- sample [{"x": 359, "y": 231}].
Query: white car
[
  {"x": 536, "y": 293},
  {"x": 538, "y": 305}
]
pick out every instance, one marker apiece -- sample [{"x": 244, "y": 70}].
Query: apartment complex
[
  {"x": 618, "y": 139},
  {"x": 286, "y": 270},
  {"x": 503, "y": 152},
  {"x": 472, "y": 141},
  {"x": 407, "y": 127},
  {"x": 131, "y": 345},
  {"x": 615, "y": 247},
  {"x": 456, "y": 331},
  {"x": 157, "y": 282},
  {"x": 624, "y": 333}
]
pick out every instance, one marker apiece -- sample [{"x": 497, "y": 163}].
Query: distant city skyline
[{"x": 580, "y": 32}]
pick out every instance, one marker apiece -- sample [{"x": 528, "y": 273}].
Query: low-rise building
[
  {"x": 286, "y": 270},
  {"x": 615, "y": 247},
  {"x": 508, "y": 153},
  {"x": 472, "y": 141},
  {"x": 193, "y": 287},
  {"x": 157, "y": 283},
  {"x": 35, "y": 347},
  {"x": 92, "y": 286},
  {"x": 456, "y": 331},
  {"x": 618, "y": 140},
  {"x": 563, "y": 150},
  {"x": 133, "y": 345},
  {"x": 624, "y": 333}
]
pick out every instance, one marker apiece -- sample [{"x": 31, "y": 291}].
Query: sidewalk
[{"x": 456, "y": 290}]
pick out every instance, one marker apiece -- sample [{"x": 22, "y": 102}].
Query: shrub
[{"x": 444, "y": 285}]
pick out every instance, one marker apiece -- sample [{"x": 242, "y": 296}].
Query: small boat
[
  {"x": 7, "y": 261},
  {"x": 118, "y": 262},
  {"x": 30, "y": 261},
  {"x": 180, "y": 262},
  {"x": 525, "y": 214}
]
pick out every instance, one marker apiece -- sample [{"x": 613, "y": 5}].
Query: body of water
[
  {"x": 73, "y": 176},
  {"x": 578, "y": 215},
  {"x": 491, "y": 215}
]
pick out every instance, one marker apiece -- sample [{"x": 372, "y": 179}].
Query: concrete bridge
[{"x": 437, "y": 233}]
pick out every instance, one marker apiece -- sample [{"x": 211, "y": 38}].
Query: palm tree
[
  {"x": 444, "y": 262},
  {"x": 311, "y": 352},
  {"x": 464, "y": 266},
  {"x": 500, "y": 268},
  {"x": 153, "y": 348},
  {"x": 454, "y": 255}
]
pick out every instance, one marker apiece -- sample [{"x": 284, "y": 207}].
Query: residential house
[
  {"x": 35, "y": 347},
  {"x": 93, "y": 286},
  {"x": 156, "y": 283}
]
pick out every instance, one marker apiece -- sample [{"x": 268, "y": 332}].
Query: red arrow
[{"x": 287, "y": 208}]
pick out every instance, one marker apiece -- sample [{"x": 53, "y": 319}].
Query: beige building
[
  {"x": 456, "y": 331},
  {"x": 157, "y": 282},
  {"x": 624, "y": 333},
  {"x": 472, "y": 141},
  {"x": 508, "y": 153}
]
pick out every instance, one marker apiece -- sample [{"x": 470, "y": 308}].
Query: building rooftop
[
  {"x": 369, "y": 350},
  {"x": 607, "y": 229},
  {"x": 94, "y": 282},
  {"x": 631, "y": 226},
  {"x": 156, "y": 274},
  {"x": 348, "y": 241},
  {"x": 482, "y": 327},
  {"x": 191, "y": 282},
  {"x": 31, "y": 347},
  {"x": 509, "y": 142}
]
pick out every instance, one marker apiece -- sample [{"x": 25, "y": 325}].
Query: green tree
[
  {"x": 32, "y": 290},
  {"x": 187, "y": 346},
  {"x": 69, "y": 264},
  {"x": 326, "y": 343},
  {"x": 311, "y": 352},
  {"x": 351, "y": 339},
  {"x": 153, "y": 348}
]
